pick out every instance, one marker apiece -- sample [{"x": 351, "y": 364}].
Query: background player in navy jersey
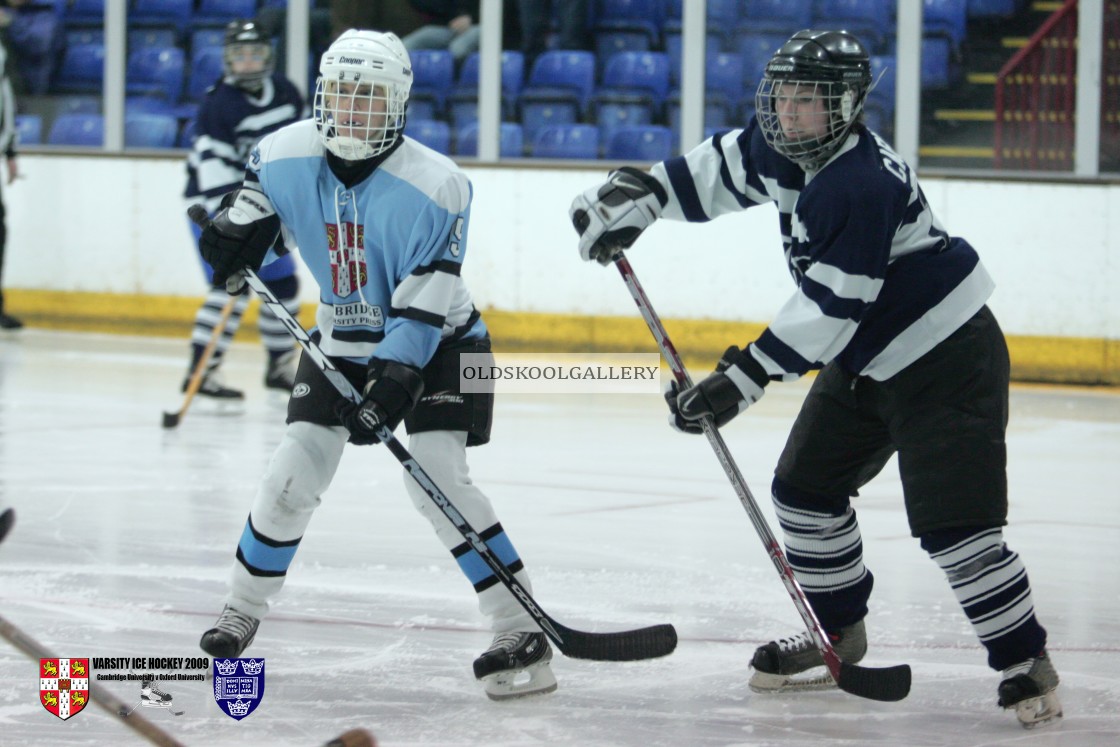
[
  {"x": 892, "y": 309},
  {"x": 250, "y": 101},
  {"x": 381, "y": 222}
]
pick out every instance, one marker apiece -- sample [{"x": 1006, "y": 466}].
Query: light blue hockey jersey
[{"x": 386, "y": 253}]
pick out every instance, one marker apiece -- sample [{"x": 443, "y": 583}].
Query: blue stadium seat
[
  {"x": 643, "y": 73},
  {"x": 511, "y": 140},
  {"x": 84, "y": 13},
  {"x": 716, "y": 113},
  {"x": 76, "y": 35},
  {"x": 170, "y": 13},
  {"x": 78, "y": 104},
  {"x": 150, "y": 130},
  {"x": 77, "y": 129},
  {"x": 154, "y": 36},
  {"x": 208, "y": 38},
  {"x": 883, "y": 75},
  {"x": 939, "y": 71},
  {"x": 783, "y": 17},
  {"x": 29, "y": 127},
  {"x": 421, "y": 109},
  {"x": 674, "y": 47},
  {"x": 993, "y": 8},
  {"x": 612, "y": 115},
  {"x": 81, "y": 69},
  {"x": 206, "y": 70},
  {"x": 756, "y": 49},
  {"x": 561, "y": 76},
  {"x": 724, "y": 78},
  {"x": 431, "y": 132},
  {"x": 149, "y": 105},
  {"x": 871, "y": 21},
  {"x": 641, "y": 17},
  {"x": 221, "y": 12},
  {"x": 462, "y": 103},
  {"x": 946, "y": 17},
  {"x": 155, "y": 71},
  {"x": 433, "y": 72},
  {"x": 646, "y": 143},
  {"x": 536, "y": 115},
  {"x": 578, "y": 141},
  {"x": 608, "y": 43}
]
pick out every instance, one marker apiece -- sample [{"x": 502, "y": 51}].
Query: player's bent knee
[
  {"x": 442, "y": 455},
  {"x": 304, "y": 464}
]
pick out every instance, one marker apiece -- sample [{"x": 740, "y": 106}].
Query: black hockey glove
[
  {"x": 737, "y": 383},
  {"x": 239, "y": 236},
  {"x": 392, "y": 389},
  {"x": 611, "y": 217}
]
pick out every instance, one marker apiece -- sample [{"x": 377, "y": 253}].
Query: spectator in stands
[
  {"x": 536, "y": 22},
  {"x": 8, "y": 146},
  {"x": 249, "y": 102},
  {"x": 33, "y": 34},
  {"x": 454, "y": 27},
  {"x": 273, "y": 22}
]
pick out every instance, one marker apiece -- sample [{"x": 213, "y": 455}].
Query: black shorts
[
  {"x": 945, "y": 415},
  {"x": 442, "y": 407}
]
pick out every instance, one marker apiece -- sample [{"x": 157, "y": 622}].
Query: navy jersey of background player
[{"x": 230, "y": 123}]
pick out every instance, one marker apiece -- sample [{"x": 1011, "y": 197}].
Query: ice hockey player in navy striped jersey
[
  {"x": 892, "y": 309},
  {"x": 382, "y": 224},
  {"x": 250, "y": 101}
]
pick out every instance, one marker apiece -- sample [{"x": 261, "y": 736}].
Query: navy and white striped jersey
[
  {"x": 385, "y": 252},
  {"x": 879, "y": 281},
  {"x": 230, "y": 122}
]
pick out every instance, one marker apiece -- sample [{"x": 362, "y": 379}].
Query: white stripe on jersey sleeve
[
  {"x": 257, "y": 122},
  {"x": 704, "y": 164},
  {"x": 430, "y": 293},
  {"x": 843, "y": 284},
  {"x": 815, "y": 337}
]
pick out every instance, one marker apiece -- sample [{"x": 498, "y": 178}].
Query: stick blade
[
  {"x": 353, "y": 738},
  {"x": 888, "y": 684},
  {"x": 170, "y": 419},
  {"x": 626, "y": 645}
]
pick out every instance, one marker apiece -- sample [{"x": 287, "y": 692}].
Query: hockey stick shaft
[
  {"x": 644, "y": 643},
  {"x": 892, "y": 683},
  {"x": 171, "y": 419},
  {"x": 100, "y": 695}
]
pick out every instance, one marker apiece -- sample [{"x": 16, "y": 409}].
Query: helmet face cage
[
  {"x": 361, "y": 94},
  {"x": 806, "y": 120},
  {"x": 247, "y": 56}
]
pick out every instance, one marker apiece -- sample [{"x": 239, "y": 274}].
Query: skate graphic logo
[
  {"x": 348, "y": 257},
  {"x": 238, "y": 685},
  {"x": 64, "y": 686}
]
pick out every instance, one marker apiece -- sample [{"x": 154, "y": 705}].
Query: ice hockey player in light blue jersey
[
  {"x": 892, "y": 309},
  {"x": 381, "y": 222}
]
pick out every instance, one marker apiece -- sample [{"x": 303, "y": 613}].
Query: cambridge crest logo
[
  {"x": 238, "y": 685},
  {"x": 64, "y": 686}
]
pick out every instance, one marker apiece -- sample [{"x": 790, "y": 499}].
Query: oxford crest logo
[
  {"x": 238, "y": 685},
  {"x": 64, "y": 686}
]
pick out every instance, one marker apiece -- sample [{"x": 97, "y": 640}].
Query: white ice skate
[{"x": 515, "y": 665}]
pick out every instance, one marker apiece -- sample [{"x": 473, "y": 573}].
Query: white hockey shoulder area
[
  {"x": 298, "y": 140},
  {"x": 438, "y": 177}
]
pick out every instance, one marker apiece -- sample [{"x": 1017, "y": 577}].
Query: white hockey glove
[
  {"x": 610, "y": 217},
  {"x": 738, "y": 382}
]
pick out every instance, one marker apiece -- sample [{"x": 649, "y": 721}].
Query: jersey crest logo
[
  {"x": 64, "y": 686},
  {"x": 348, "y": 257},
  {"x": 238, "y": 686}
]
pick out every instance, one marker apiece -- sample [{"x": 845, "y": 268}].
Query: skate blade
[
  {"x": 764, "y": 682},
  {"x": 534, "y": 680},
  {"x": 1035, "y": 712}
]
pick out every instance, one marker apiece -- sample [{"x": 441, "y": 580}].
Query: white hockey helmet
[{"x": 361, "y": 93}]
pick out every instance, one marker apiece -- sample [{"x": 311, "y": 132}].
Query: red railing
[
  {"x": 1035, "y": 98},
  {"x": 1110, "y": 89}
]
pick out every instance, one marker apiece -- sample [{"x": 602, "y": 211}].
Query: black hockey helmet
[
  {"x": 831, "y": 68},
  {"x": 247, "y": 56}
]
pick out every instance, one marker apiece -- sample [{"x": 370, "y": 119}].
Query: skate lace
[
  {"x": 232, "y": 621},
  {"x": 796, "y": 644},
  {"x": 506, "y": 642}
]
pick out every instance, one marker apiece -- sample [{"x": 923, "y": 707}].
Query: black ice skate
[
  {"x": 7, "y": 521},
  {"x": 777, "y": 663},
  {"x": 516, "y": 664},
  {"x": 152, "y": 697},
  {"x": 231, "y": 635},
  {"x": 1030, "y": 687},
  {"x": 7, "y": 321},
  {"x": 281, "y": 373},
  {"x": 213, "y": 388}
]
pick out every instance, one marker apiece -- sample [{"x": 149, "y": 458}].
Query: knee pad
[
  {"x": 302, "y": 466},
  {"x": 442, "y": 455}
]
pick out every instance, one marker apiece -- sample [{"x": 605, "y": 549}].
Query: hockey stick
[
  {"x": 890, "y": 683},
  {"x": 171, "y": 419},
  {"x": 627, "y": 645},
  {"x": 100, "y": 695}
]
